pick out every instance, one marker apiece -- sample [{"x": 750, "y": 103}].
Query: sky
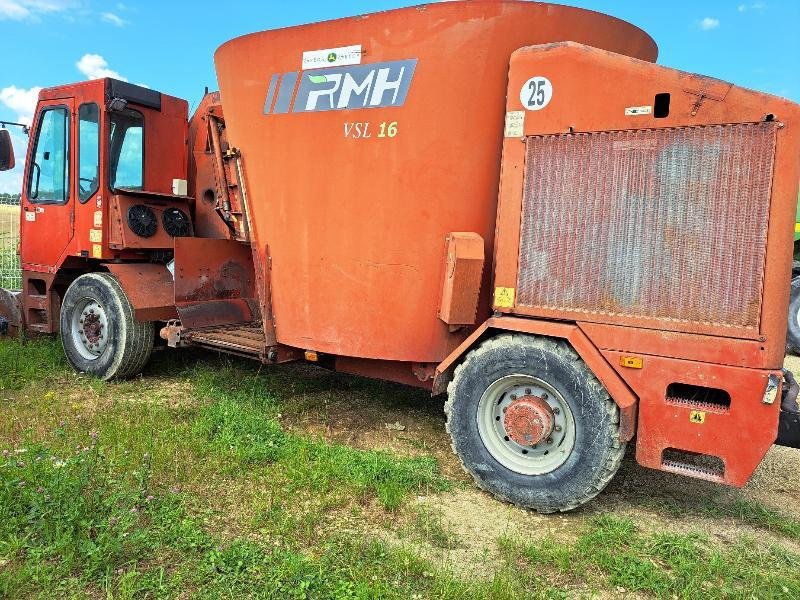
[{"x": 169, "y": 45}]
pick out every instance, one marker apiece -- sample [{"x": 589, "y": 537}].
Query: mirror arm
[{"x": 25, "y": 128}]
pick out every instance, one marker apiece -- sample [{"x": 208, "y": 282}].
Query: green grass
[
  {"x": 614, "y": 552},
  {"x": 188, "y": 483}
]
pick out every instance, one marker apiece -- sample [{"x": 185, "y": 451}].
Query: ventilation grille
[{"x": 666, "y": 224}]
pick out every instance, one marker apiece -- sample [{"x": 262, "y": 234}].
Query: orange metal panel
[
  {"x": 671, "y": 344},
  {"x": 739, "y": 435},
  {"x": 464, "y": 257},
  {"x": 623, "y": 98},
  {"x": 354, "y": 204},
  {"x": 149, "y": 288}
]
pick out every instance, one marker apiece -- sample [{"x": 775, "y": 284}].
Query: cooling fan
[
  {"x": 142, "y": 220},
  {"x": 176, "y": 223}
]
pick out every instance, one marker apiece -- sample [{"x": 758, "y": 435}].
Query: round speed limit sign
[{"x": 536, "y": 93}]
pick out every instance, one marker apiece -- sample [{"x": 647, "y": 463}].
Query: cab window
[
  {"x": 126, "y": 150},
  {"x": 88, "y": 150},
  {"x": 48, "y": 177}
]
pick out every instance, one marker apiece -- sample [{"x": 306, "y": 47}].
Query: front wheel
[
  {"x": 532, "y": 424},
  {"x": 99, "y": 333}
]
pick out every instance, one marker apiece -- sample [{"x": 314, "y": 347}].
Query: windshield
[{"x": 126, "y": 167}]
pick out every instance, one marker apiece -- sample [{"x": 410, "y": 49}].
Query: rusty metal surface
[
  {"x": 212, "y": 269},
  {"x": 149, "y": 288},
  {"x": 528, "y": 420},
  {"x": 245, "y": 340},
  {"x": 214, "y": 282},
  {"x": 355, "y": 225},
  {"x": 668, "y": 225}
]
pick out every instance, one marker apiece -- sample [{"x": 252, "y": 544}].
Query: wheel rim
[
  {"x": 526, "y": 424},
  {"x": 89, "y": 328}
]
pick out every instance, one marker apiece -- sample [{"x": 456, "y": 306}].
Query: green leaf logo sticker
[
  {"x": 332, "y": 57},
  {"x": 318, "y": 79}
]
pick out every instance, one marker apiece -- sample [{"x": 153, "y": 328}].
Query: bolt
[
  {"x": 549, "y": 440},
  {"x": 528, "y": 391},
  {"x": 556, "y": 410},
  {"x": 81, "y": 321},
  {"x": 544, "y": 396},
  {"x": 513, "y": 396},
  {"x": 91, "y": 311},
  {"x": 558, "y": 427},
  {"x": 505, "y": 408}
]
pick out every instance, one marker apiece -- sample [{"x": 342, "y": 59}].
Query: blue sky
[{"x": 169, "y": 45}]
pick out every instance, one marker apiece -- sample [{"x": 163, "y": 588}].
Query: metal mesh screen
[
  {"x": 665, "y": 224},
  {"x": 10, "y": 274}
]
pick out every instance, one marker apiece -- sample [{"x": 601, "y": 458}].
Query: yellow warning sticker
[
  {"x": 697, "y": 416},
  {"x": 97, "y": 251},
  {"x": 632, "y": 362},
  {"x": 96, "y": 235},
  {"x": 504, "y": 297}
]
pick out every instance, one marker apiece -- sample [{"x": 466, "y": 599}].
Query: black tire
[
  {"x": 596, "y": 450},
  {"x": 124, "y": 344},
  {"x": 793, "y": 333}
]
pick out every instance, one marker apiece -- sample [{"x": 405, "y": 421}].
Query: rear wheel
[
  {"x": 793, "y": 335},
  {"x": 532, "y": 424},
  {"x": 99, "y": 333}
]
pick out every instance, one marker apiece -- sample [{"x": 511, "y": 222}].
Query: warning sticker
[
  {"x": 697, "y": 416},
  {"x": 98, "y": 218},
  {"x": 633, "y": 111},
  {"x": 515, "y": 123},
  {"x": 504, "y": 297},
  {"x": 97, "y": 251},
  {"x": 95, "y": 235}
]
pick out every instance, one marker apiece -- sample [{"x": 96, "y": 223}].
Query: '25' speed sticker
[{"x": 536, "y": 93}]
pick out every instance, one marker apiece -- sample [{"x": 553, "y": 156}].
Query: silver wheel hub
[
  {"x": 89, "y": 328},
  {"x": 526, "y": 424}
]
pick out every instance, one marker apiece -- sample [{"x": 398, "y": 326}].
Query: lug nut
[
  {"x": 558, "y": 427},
  {"x": 544, "y": 396},
  {"x": 528, "y": 391},
  {"x": 549, "y": 440},
  {"x": 556, "y": 410},
  {"x": 513, "y": 396}
]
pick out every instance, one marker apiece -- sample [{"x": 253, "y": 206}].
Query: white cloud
[
  {"x": 21, "y": 101},
  {"x": 757, "y": 6},
  {"x": 708, "y": 23},
  {"x": 113, "y": 19},
  {"x": 23, "y": 10},
  {"x": 94, "y": 66}
]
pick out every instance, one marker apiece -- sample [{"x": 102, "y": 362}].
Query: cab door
[{"x": 47, "y": 198}]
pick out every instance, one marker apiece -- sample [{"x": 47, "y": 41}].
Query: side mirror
[{"x": 6, "y": 151}]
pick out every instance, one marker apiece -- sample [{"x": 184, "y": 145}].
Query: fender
[
  {"x": 149, "y": 287},
  {"x": 619, "y": 391}
]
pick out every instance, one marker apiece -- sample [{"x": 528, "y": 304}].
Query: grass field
[
  {"x": 210, "y": 477},
  {"x": 9, "y": 236}
]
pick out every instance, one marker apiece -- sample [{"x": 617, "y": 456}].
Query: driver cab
[{"x": 96, "y": 147}]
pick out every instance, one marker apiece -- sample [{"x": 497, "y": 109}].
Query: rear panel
[{"x": 655, "y": 209}]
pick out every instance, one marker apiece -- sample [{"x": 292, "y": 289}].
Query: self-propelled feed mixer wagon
[{"x": 508, "y": 202}]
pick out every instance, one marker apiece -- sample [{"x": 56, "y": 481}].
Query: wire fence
[{"x": 10, "y": 272}]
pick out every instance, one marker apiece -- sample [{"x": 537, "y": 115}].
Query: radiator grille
[{"x": 666, "y": 224}]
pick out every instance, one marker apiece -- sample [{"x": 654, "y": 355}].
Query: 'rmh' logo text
[{"x": 340, "y": 88}]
